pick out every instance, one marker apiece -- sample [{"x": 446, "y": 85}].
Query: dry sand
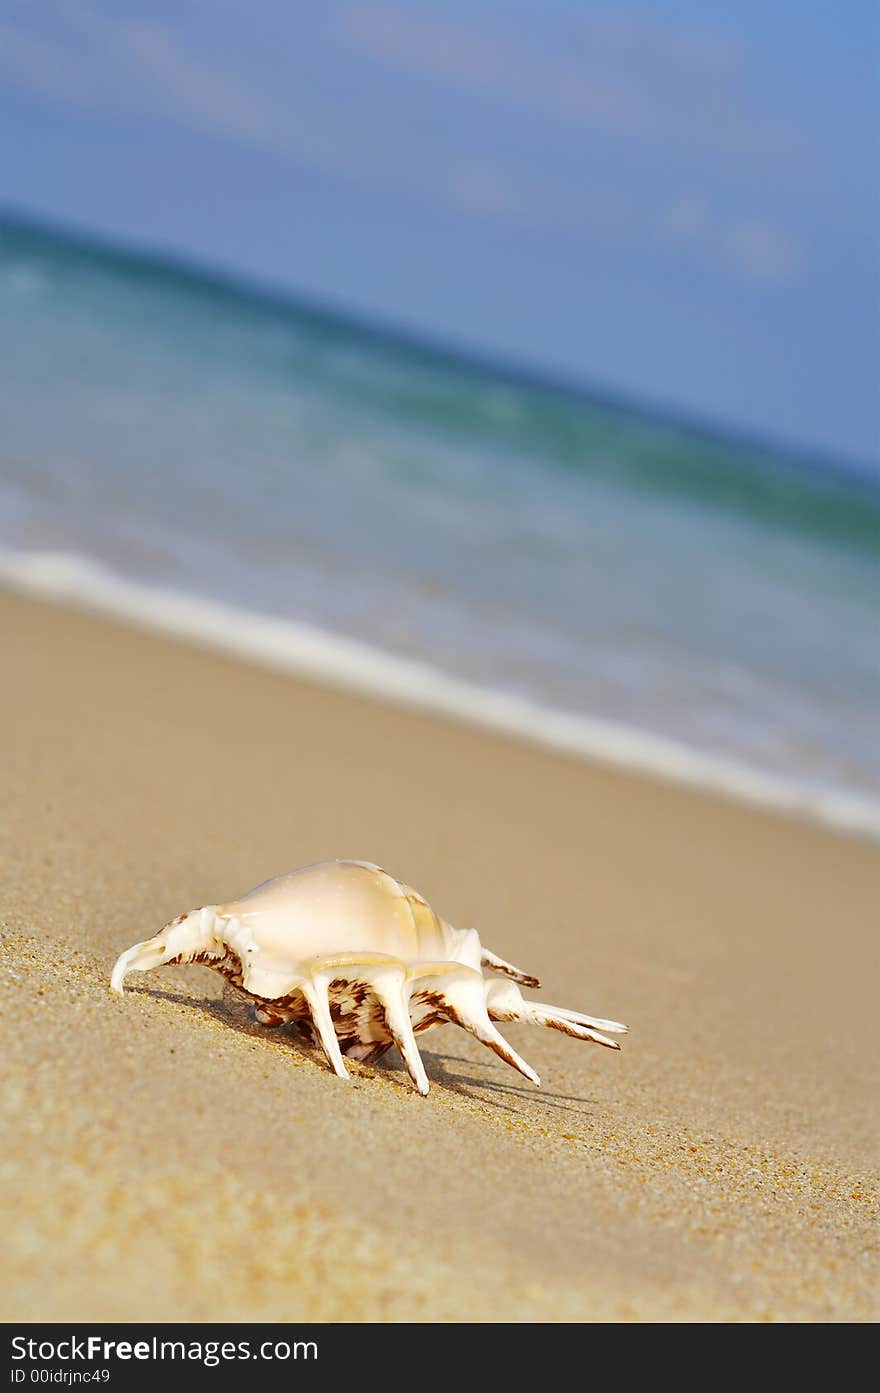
[{"x": 164, "y": 1157}]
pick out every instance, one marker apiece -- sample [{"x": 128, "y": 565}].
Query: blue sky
[{"x": 676, "y": 202}]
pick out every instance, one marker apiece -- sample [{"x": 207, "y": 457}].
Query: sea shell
[{"x": 358, "y": 961}]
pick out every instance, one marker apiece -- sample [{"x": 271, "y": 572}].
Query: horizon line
[{"x": 271, "y": 295}]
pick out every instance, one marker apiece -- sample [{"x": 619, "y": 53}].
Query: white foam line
[{"x": 307, "y": 651}]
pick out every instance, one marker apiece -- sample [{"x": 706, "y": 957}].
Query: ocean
[{"x": 337, "y": 499}]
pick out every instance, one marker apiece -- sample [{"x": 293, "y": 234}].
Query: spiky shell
[{"x": 360, "y": 961}]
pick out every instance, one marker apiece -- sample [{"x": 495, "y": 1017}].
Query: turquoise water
[{"x": 188, "y": 432}]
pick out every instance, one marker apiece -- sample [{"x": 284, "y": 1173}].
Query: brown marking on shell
[
  {"x": 270, "y": 1017},
  {"x": 428, "y": 998},
  {"x": 228, "y": 964},
  {"x": 357, "y": 1015},
  {"x": 453, "y": 1016},
  {"x": 438, "y": 1009},
  {"x": 426, "y": 1022}
]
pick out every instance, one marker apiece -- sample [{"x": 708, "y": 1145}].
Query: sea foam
[{"x": 304, "y": 650}]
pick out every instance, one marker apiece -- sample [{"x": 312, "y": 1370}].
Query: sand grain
[{"x": 167, "y": 1158}]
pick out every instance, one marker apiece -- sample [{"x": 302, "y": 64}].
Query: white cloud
[
  {"x": 685, "y": 219},
  {"x": 148, "y": 71},
  {"x": 639, "y": 81},
  {"x": 143, "y": 69},
  {"x": 218, "y": 98},
  {"x": 40, "y": 66},
  {"x": 762, "y": 249},
  {"x": 757, "y": 247},
  {"x": 199, "y": 92},
  {"x": 297, "y": 127}
]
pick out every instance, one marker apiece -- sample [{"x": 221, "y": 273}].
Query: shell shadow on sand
[{"x": 236, "y": 1013}]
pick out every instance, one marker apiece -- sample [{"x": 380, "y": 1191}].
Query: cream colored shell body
[
  {"x": 333, "y": 908},
  {"x": 359, "y": 961}
]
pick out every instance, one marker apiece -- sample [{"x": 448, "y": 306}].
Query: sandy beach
[{"x": 165, "y": 1157}]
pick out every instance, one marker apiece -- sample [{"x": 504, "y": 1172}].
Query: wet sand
[{"x": 165, "y": 1157}]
